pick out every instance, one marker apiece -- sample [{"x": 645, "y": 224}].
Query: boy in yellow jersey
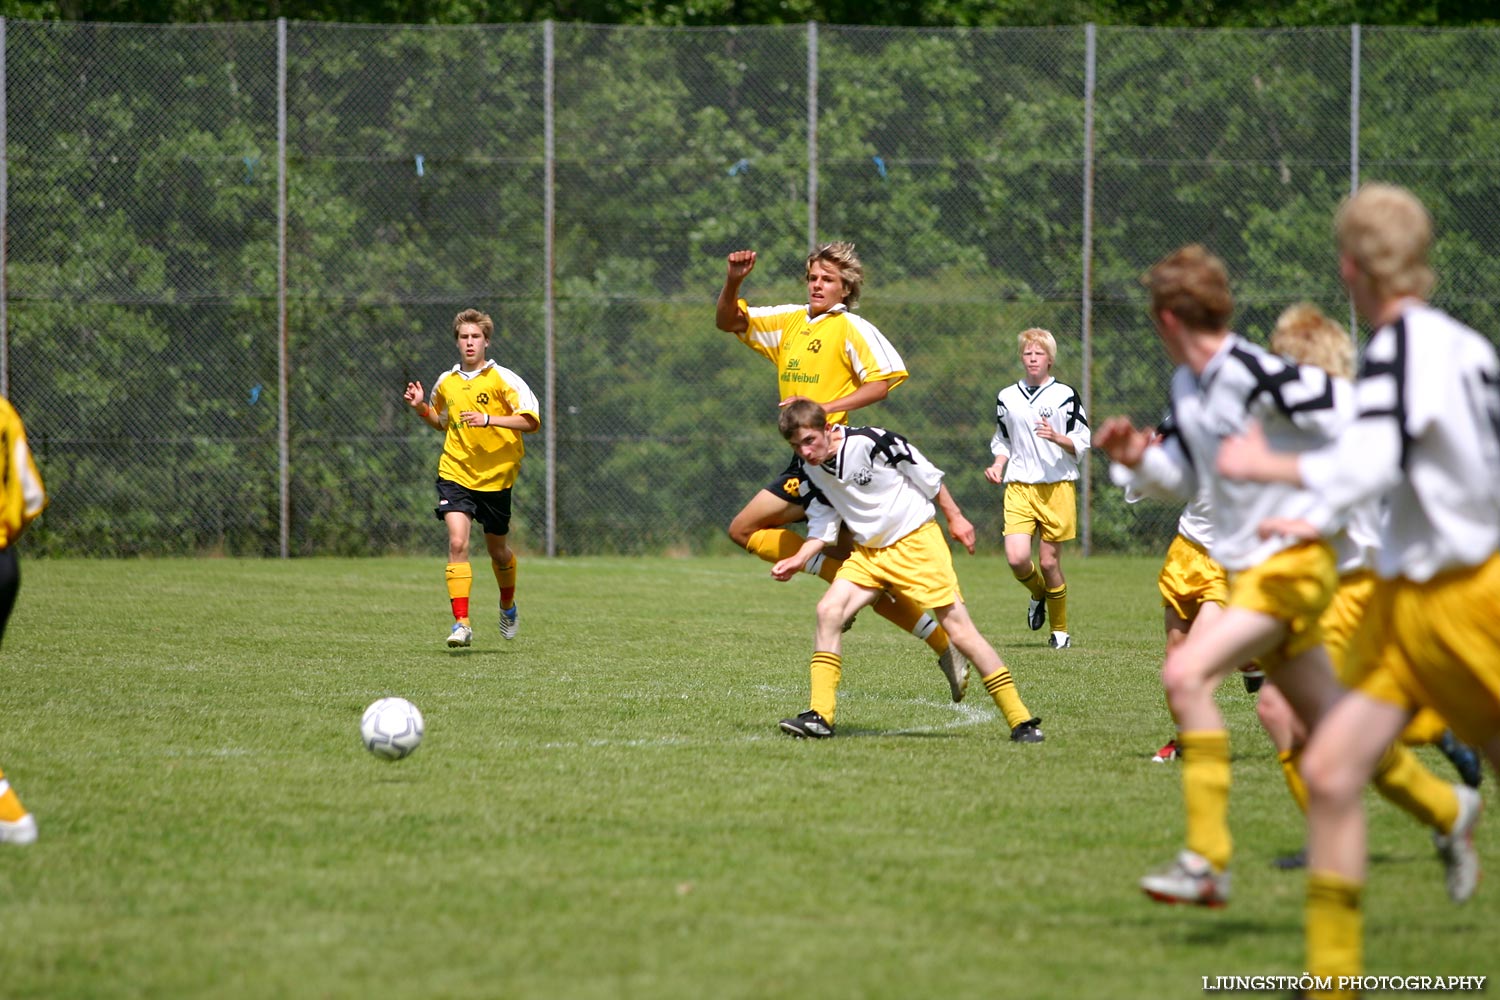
[
  {"x": 825, "y": 353},
  {"x": 1426, "y": 438},
  {"x": 22, "y": 498},
  {"x": 886, "y": 493},
  {"x": 1041, "y": 434},
  {"x": 483, "y": 410}
]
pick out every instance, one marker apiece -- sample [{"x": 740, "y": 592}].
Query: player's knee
[
  {"x": 1329, "y": 774},
  {"x": 831, "y": 610},
  {"x": 740, "y": 533},
  {"x": 1181, "y": 676}
]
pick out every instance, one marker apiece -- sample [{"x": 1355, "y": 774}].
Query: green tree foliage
[{"x": 144, "y": 240}]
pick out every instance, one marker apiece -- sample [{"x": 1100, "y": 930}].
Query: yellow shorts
[
  {"x": 1350, "y": 633},
  {"x": 1442, "y": 648},
  {"x": 919, "y": 566},
  {"x": 1190, "y": 579},
  {"x": 1053, "y": 507},
  {"x": 1353, "y": 637},
  {"x": 1293, "y": 586}
]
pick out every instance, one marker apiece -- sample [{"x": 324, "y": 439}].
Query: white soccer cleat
[
  {"x": 22, "y": 831},
  {"x": 510, "y": 622},
  {"x": 955, "y": 667},
  {"x": 460, "y": 636},
  {"x": 1460, "y": 858},
  {"x": 1188, "y": 878},
  {"x": 1059, "y": 640}
]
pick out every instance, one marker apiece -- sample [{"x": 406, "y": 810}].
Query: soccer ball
[{"x": 391, "y": 728}]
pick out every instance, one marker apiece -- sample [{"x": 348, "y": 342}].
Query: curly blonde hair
[{"x": 1304, "y": 334}]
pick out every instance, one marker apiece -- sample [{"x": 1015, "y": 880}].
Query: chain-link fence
[{"x": 228, "y": 247}]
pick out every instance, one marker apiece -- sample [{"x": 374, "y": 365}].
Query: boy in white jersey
[
  {"x": 1279, "y": 585},
  {"x": 822, "y": 352},
  {"x": 879, "y": 486},
  {"x": 1305, "y": 335},
  {"x": 483, "y": 410},
  {"x": 1427, "y": 438},
  {"x": 1041, "y": 434}
]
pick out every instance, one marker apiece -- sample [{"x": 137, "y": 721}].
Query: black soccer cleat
[
  {"x": 1253, "y": 678},
  {"x": 809, "y": 725},
  {"x": 1036, "y": 614},
  {"x": 1027, "y": 732},
  {"x": 1464, "y": 759}
]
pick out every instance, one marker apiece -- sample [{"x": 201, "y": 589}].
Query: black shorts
[
  {"x": 490, "y": 508},
  {"x": 791, "y": 485}
]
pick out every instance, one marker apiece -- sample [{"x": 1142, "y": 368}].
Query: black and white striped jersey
[
  {"x": 1018, "y": 408},
  {"x": 877, "y": 483},
  {"x": 1299, "y": 407},
  {"x": 1427, "y": 436}
]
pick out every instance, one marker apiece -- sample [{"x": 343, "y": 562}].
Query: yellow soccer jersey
[
  {"x": 482, "y": 458},
  {"x": 23, "y": 497},
  {"x": 822, "y": 358}
]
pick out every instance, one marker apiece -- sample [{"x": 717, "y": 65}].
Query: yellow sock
[
  {"x": 505, "y": 576},
  {"x": 1205, "y": 792},
  {"x": 828, "y": 568},
  {"x": 1057, "y": 608},
  {"x": 1002, "y": 688},
  {"x": 1403, "y": 781},
  {"x": 1032, "y": 581},
  {"x": 774, "y": 544},
  {"x": 905, "y": 613},
  {"x": 1334, "y": 930},
  {"x": 1425, "y": 727},
  {"x": 11, "y": 809},
  {"x": 1289, "y": 760},
  {"x": 826, "y": 668},
  {"x": 460, "y": 579}
]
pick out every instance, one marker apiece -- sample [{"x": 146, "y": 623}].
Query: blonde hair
[
  {"x": 1042, "y": 338},
  {"x": 1387, "y": 232},
  {"x": 842, "y": 257},
  {"x": 482, "y": 320},
  {"x": 1191, "y": 284},
  {"x": 1304, "y": 334}
]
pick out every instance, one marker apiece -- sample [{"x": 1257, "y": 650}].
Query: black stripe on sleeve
[{"x": 1273, "y": 384}]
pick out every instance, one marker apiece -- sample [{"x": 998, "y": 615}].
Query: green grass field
[{"x": 604, "y": 808}]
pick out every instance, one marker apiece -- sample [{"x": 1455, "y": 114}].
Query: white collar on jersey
[
  {"x": 830, "y": 311},
  {"x": 1030, "y": 391},
  {"x": 458, "y": 369}
]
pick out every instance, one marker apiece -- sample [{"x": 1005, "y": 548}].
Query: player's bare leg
[
  {"x": 968, "y": 640},
  {"x": 842, "y": 600}
]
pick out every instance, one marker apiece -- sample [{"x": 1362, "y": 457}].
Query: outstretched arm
[{"x": 728, "y": 316}]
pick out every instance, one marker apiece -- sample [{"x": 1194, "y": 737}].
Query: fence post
[
  {"x": 1354, "y": 56},
  {"x": 812, "y": 136},
  {"x": 4, "y": 226},
  {"x": 283, "y": 359},
  {"x": 1089, "y": 70},
  {"x": 549, "y": 268}
]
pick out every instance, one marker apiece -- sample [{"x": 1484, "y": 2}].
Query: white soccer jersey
[
  {"x": 1427, "y": 436},
  {"x": 1018, "y": 409},
  {"x": 877, "y": 483},
  {"x": 1298, "y": 406}
]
